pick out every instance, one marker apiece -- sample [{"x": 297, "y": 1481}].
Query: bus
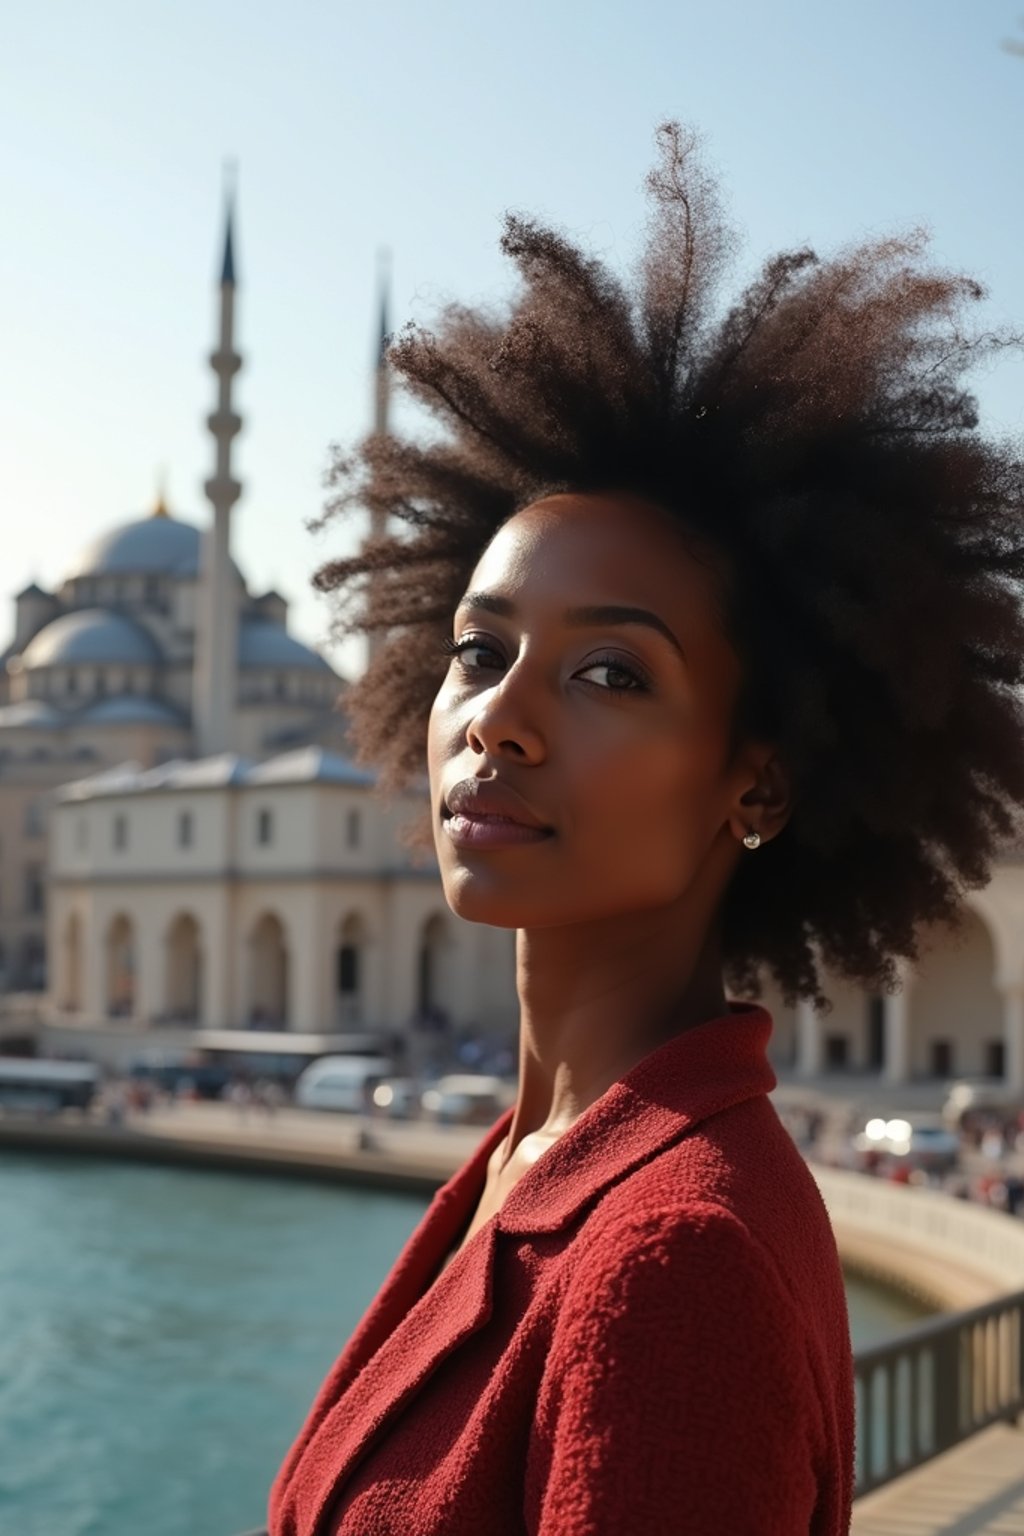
[
  {"x": 215, "y": 1056},
  {"x": 27, "y": 1083}
]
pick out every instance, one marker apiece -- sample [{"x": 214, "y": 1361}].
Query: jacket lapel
[{"x": 420, "y": 1322}]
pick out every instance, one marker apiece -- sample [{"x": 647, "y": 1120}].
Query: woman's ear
[{"x": 765, "y": 805}]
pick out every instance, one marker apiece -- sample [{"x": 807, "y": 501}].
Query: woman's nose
[{"x": 506, "y": 721}]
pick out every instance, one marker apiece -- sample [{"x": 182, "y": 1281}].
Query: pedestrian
[{"x": 707, "y": 618}]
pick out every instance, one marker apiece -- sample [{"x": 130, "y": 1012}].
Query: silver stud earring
[{"x": 752, "y": 840}]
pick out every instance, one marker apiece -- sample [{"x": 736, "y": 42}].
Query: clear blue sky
[{"x": 415, "y": 126}]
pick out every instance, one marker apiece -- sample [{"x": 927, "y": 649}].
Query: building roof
[
  {"x": 307, "y": 765},
  {"x": 179, "y": 773},
  {"x": 263, "y": 644},
  {"x": 153, "y": 546},
  {"x": 90, "y": 635},
  {"x": 29, "y": 713},
  {"x": 129, "y": 709}
]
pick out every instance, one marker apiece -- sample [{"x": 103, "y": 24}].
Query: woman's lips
[{"x": 468, "y": 831}]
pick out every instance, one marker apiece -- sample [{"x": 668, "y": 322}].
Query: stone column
[
  {"x": 896, "y": 1030},
  {"x": 1013, "y": 1034},
  {"x": 217, "y": 941},
  {"x": 149, "y": 945},
  {"x": 808, "y": 1039},
  {"x": 93, "y": 964}
]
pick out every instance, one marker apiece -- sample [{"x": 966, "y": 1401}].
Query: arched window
[
  {"x": 433, "y": 974},
  {"x": 349, "y": 972},
  {"x": 267, "y": 1005},
  {"x": 120, "y": 957},
  {"x": 183, "y": 971}
]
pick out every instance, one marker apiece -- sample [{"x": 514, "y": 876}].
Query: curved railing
[
  {"x": 955, "y": 1239},
  {"x": 945, "y": 1380}
]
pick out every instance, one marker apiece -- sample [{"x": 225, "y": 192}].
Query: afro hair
[{"x": 818, "y": 435}]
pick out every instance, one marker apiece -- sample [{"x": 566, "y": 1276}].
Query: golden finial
[{"x": 160, "y": 508}]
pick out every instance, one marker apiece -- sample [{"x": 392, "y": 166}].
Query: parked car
[
  {"x": 397, "y": 1098},
  {"x": 970, "y": 1095},
  {"x": 919, "y": 1140},
  {"x": 467, "y": 1098},
  {"x": 343, "y": 1083}
]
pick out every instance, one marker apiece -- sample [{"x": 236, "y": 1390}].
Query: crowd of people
[{"x": 988, "y": 1169}]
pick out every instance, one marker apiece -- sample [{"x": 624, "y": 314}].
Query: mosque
[
  {"x": 186, "y": 844},
  {"x": 184, "y": 840}
]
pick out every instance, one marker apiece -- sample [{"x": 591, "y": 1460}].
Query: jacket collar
[
  {"x": 706, "y": 1069},
  {"x": 697, "y": 1073}
]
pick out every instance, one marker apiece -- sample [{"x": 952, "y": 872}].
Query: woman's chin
[
  {"x": 481, "y": 907},
  {"x": 480, "y": 900}
]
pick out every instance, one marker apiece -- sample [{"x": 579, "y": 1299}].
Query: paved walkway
[{"x": 976, "y": 1489}]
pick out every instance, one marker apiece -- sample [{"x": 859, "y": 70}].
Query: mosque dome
[
  {"x": 261, "y": 644},
  {"x": 155, "y": 545},
  {"x": 90, "y": 635}
]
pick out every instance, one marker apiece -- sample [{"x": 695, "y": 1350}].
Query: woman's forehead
[{"x": 597, "y": 547}]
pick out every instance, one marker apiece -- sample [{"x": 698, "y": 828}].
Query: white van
[
  {"x": 467, "y": 1098},
  {"x": 340, "y": 1082}
]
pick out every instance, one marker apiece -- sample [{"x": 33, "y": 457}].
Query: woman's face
[{"x": 591, "y": 697}]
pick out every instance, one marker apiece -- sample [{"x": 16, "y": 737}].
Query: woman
[{"x": 716, "y": 624}]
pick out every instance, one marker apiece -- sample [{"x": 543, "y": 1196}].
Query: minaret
[
  {"x": 216, "y": 667},
  {"x": 381, "y": 404},
  {"x": 382, "y": 381}
]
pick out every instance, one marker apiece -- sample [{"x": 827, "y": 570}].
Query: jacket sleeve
[{"x": 677, "y": 1396}]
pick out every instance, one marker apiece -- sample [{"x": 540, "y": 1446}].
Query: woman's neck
[{"x": 594, "y": 1000}]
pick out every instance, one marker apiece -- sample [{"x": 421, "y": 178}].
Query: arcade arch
[
  {"x": 120, "y": 967},
  {"x": 268, "y": 968},
  {"x": 183, "y": 984},
  {"x": 434, "y": 979},
  {"x": 350, "y": 971},
  {"x": 955, "y": 1009}
]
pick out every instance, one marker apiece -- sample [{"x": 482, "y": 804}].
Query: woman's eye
[
  {"x": 469, "y": 651},
  {"x": 618, "y": 678}
]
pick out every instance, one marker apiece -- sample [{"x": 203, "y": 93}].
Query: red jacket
[{"x": 650, "y": 1337}]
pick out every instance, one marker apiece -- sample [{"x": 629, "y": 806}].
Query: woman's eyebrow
[{"x": 600, "y": 613}]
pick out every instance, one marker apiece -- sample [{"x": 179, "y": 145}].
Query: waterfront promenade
[{"x": 977, "y": 1489}]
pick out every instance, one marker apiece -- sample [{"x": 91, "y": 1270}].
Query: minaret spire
[
  {"x": 216, "y": 668},
  {"x": 382, "y": 389},
  {"x": 381, "y": 404}
]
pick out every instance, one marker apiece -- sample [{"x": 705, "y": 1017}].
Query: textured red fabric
[{"x": 650, "y": 1336}]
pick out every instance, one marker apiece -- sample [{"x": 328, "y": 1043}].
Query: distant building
[
  {"x": 959, "y": 1012},
  {"x": 118, "y": 663},
  {"x": 229, "y": 894}
]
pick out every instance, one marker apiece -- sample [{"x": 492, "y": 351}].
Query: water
[{"x": 164, "y": 1332}]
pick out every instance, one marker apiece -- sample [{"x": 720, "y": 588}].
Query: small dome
[
  {"x": 89, "y": 635},
  {"x": 129, "y": 710},
  {"x": 150, "y": 545},
  {"x": 261, "y": 644}
]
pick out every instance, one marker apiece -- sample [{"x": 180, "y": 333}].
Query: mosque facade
[
  {"x": 102, "y": 670},
  {"x": 184, "y": 839}
]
